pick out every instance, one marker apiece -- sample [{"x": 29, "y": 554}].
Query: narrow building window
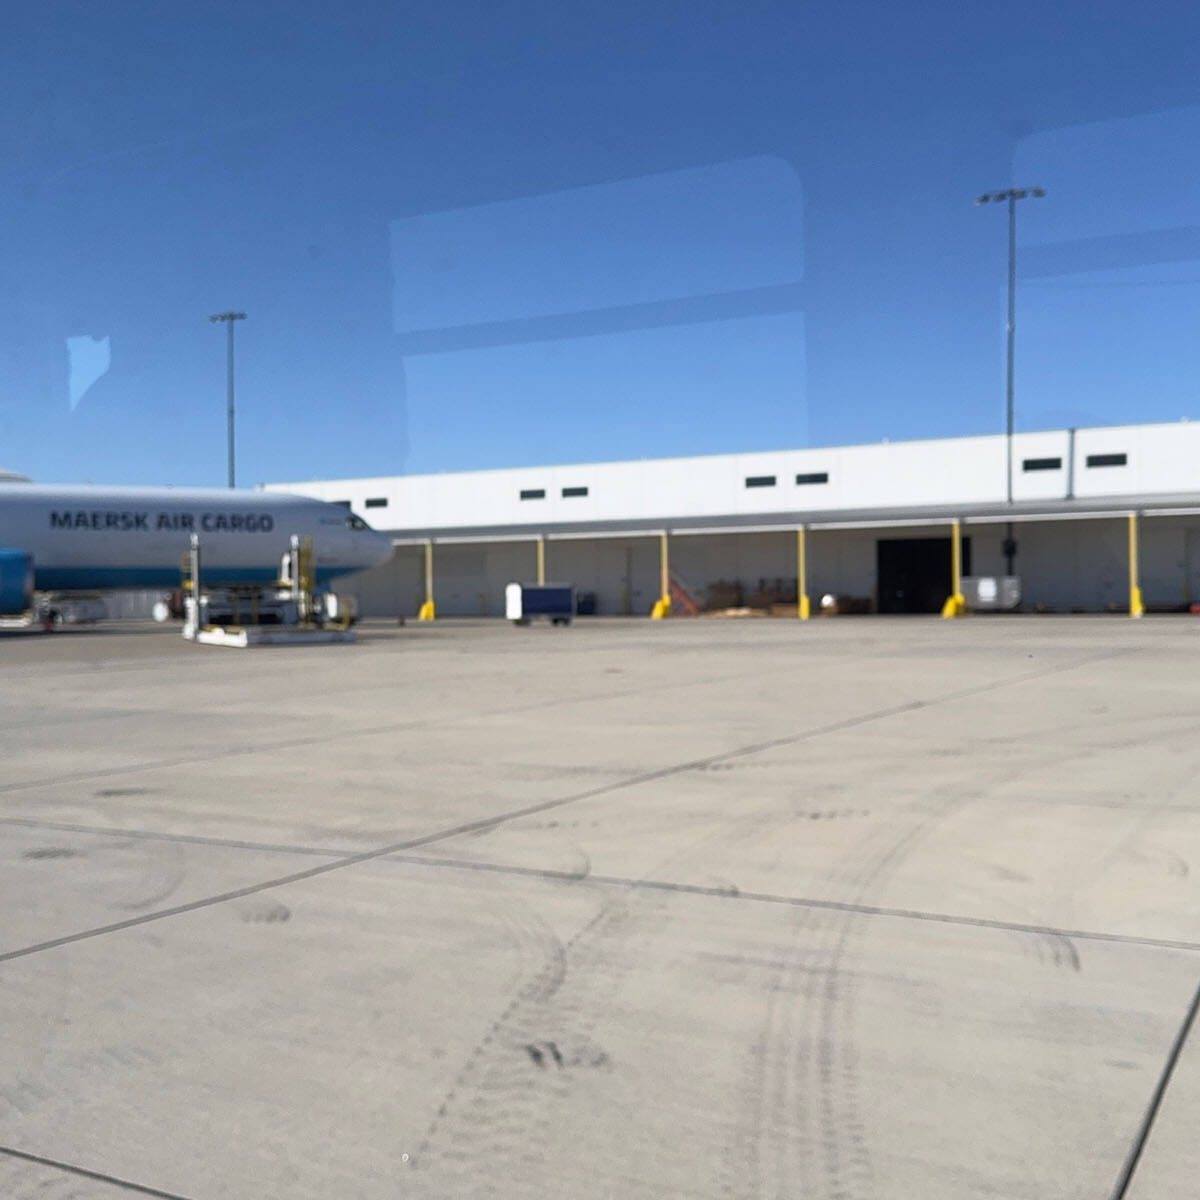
[
  {"x": 760, "y": 480},
  {"x": 813, "y": 477},
  {"x": 568, "y": 493},
  {"x": 342, "y": 503},
  {"x": 376, "y": 502},
  {"x": 1042, "y": 464},
  {"x": 533, "y": 493},
  {"x": 1106, "y": 460}
]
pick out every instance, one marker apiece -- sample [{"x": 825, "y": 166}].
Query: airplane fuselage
[{"x": 84, "y": 538}]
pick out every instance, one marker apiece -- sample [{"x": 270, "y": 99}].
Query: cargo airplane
[{"x": 89, "y": 539}]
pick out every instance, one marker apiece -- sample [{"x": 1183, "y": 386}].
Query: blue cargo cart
[{"x": 524, "y": 601}]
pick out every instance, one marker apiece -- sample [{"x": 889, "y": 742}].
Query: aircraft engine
[{"x": 16, "y": 582}]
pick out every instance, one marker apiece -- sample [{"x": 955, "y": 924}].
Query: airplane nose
[{"x": 381, "y": 549}]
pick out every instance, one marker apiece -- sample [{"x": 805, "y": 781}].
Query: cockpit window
[{"x": 353, "y": 522}]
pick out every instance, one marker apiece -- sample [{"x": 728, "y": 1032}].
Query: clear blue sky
[{"x": 492, "y": 234}]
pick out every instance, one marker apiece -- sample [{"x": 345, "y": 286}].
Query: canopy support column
[
  {"x": 1136, "y": 607},
  {"x": 803, "y": 606},
  {"x": 662, "y": 606},
  {"x": 956, "y": 602},
  {"x": 428, "y": 612}
]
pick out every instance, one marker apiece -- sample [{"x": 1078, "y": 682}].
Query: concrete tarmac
[{"x": 854, "y": 908}]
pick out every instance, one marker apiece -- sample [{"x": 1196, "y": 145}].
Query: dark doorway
[{"x": 914, "y": 573}]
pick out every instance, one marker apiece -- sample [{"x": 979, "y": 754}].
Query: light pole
[
  {"x": 228, "y": 318},
  {"x": 1011, "y": 195}
]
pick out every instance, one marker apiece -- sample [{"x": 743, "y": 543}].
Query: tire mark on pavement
[
  {"x": 837, "y": 1069},
  {"x": 494, "y": 1132},
  {"x": 487, "y": 823},
  {"x": 808, "y": 1032}
]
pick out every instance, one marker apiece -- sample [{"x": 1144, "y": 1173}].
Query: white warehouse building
[{"x": 1093, "y": 512}]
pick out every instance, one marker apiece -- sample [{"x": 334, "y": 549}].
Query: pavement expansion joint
[
  {"x": 731, "y": 893},
  {"x": 114, "y": 1181}
]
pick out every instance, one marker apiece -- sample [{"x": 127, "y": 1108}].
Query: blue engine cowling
[{"x": 16, "y": 582}]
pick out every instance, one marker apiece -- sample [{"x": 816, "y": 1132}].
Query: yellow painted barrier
[
  {"x": 662, "y": 606},
  {"x": 803, "y": 605},
  {"x": 1136, "y": 607},
  {"x": 427, "y": 611},
  {"x": 956, "y": 602},
  {"x": 955, "y": 605}
]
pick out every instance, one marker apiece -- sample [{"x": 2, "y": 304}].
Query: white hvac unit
[{"x": 992, "y": 593}]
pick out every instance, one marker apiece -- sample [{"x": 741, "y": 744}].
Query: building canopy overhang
[{"x": 1108, "y": 508}]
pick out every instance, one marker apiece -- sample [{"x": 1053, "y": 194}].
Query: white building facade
[{"x": 877, "y": 522}]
